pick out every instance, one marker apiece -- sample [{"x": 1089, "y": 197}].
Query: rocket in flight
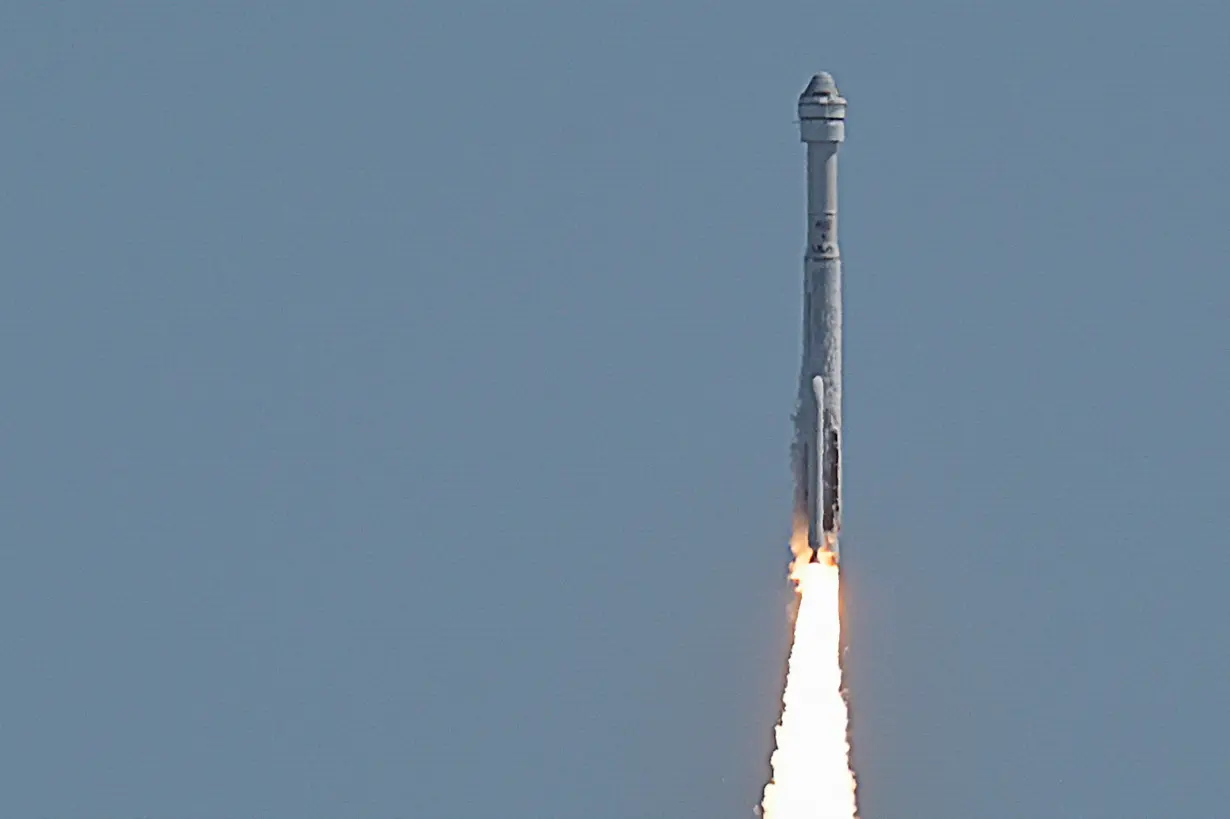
[{"x": 817, "y": 442}]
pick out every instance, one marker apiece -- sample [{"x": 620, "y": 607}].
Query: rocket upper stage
[
  {"x": 817, "y": 452},
  {"x": 822, "y": 111}
]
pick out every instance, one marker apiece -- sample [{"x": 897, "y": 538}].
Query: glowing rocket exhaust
[
  {"x": 811, "y": 765},
  {"x": 817, "y": 439},
  {"x": 812, "y": 778}
]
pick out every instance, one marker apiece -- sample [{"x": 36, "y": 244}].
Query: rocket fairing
[{"x": 817, "y": 442}]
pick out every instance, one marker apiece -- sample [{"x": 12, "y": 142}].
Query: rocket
[{"x": 817, "y": 439}]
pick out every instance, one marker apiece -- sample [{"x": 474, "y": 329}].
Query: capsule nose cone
[{"x": 822, "y": 83}]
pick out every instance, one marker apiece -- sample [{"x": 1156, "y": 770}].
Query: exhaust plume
[{"x": 812, "y": 778}]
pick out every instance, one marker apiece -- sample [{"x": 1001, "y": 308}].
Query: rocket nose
[{"x": 821, "y": 83}]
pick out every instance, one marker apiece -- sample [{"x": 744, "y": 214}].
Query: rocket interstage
[{"x": 817, "y": 439}]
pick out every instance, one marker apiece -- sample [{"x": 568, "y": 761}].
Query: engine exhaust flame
[{"x": 812, "y": 778}]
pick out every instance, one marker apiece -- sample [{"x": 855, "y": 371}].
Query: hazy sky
[{"x": 396, "y": 406}]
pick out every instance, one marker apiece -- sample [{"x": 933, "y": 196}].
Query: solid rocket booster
[{"x": 817, "y": 455}]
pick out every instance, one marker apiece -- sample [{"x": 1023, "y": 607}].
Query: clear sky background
[{"x": 396, "y": 406}]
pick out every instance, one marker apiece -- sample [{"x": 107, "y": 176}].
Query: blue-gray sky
[{"x": 397, "y": 405}]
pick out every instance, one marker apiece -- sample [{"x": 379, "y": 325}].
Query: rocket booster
[{"x": 817, "y": 447}]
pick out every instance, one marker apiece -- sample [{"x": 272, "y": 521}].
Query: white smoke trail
[{"x": 811, "y": 766}]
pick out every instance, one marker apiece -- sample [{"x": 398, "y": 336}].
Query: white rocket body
[{"x": 817, "y": 456}]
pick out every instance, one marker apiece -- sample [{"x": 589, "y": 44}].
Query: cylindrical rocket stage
[{"x": 817, "y": 455}]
